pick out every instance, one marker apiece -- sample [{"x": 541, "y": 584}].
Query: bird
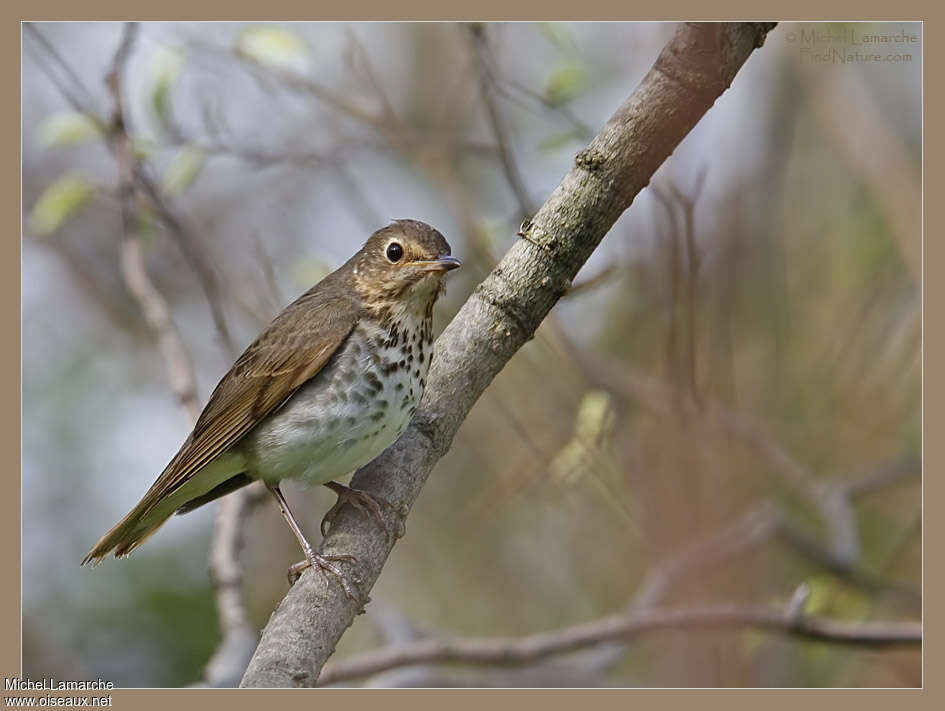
[{"x": 325, "y": 388}]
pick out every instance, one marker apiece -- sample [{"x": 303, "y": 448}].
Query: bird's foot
[
  {"x": 324, "y": 563},
  {"x": 366, "y": 503}
]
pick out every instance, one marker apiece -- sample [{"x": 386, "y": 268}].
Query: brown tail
[
  {"x": 153, "y": 510},
  {"x": 129, "y": 533}
]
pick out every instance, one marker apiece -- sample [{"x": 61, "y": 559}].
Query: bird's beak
[{"x": 443, "y": 263}]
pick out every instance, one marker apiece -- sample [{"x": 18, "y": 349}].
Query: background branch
[
  {"x": 239, "y": 636},
  {"x": 704, "y": 552},
  {"x": 695, "y": 67},
  {"x": 528, "y": 649}
]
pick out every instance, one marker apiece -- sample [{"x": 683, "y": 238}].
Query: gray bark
[{"x": 691, "y": 72}]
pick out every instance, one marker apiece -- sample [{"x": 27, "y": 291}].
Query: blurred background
[{"x": 725, "y": 409}]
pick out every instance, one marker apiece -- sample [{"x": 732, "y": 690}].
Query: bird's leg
[
  {"x": 313, "y": 559},
  {"x": 366, "y": 503}
]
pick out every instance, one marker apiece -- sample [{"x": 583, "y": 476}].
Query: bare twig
[
  {"x": 157, "y": 313},
  {"x": 67, "y": 85},
  {"x": 153, "y": 305},
  {"x": 673, "y": 277},
  {"x": 192, "y": 253},
  {"x": 528, "y": 649},
  {"x": 510, "y": 168},
  {"x": 513, "y": 91},
  {"x": 831, "y": 502},
  {"x": 239, "y": 636},
  {"x": 228, "y": 662},
  {"x": 707, "y": 551},
  {"x": 693, "y": 262},
  {"x": 602, "y": 277},
  {"x": 694, "y": 68}
]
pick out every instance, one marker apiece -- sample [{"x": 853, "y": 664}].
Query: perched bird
[{"x": 329, "y": 385}]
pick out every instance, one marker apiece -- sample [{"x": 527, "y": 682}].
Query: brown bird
[{"x": 330, "y": 384}]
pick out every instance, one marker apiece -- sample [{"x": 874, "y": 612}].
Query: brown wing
[{"x": 291, "y": 351}]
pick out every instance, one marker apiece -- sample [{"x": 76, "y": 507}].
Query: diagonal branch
[{"x": 694, "y": 68}]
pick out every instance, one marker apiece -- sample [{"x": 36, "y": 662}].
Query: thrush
[{"x": 330, "y": 384}]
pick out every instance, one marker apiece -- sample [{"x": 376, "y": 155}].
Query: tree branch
[
  {"x": 526, "y": 650},
  {"x": 239, "y": 636},
  {"x": 694, "y": 68},
  {"x": 831, "y": 502},
  {"x": 706, "y": 551}
]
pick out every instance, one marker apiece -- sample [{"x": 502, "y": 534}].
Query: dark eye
[{"x": 394, "y": 252}]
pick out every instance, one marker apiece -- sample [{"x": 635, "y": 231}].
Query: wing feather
[{"x": 294, "y": 348}]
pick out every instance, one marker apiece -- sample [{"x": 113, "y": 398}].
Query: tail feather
[
  {"x": 215, "y": 479},
  {"x": 127, "y": 534}
]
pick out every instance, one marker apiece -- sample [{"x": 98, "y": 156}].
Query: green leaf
[
  {"x": 165, "y": 68},
  {"x": 143, "y": 147},
  {"x": 565, "y": 83},
  {"x": 183, "y": 169},
  {"x": 559, "y": 34},
  {"x": 59, "y": 202},
  {"x": 68, "y": 128},
  {"x": 832, "y": 597},
  {"x": 273, "y": 47},
  {"x": 593, "y": 426}
]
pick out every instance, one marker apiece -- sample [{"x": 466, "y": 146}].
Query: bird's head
[{"x": 403, "y": 265}]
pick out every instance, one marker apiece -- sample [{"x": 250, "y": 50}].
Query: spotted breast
[{"x": 358, "y": 405}]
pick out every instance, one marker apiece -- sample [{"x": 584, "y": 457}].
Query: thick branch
[{"x": 691, "y": 72}]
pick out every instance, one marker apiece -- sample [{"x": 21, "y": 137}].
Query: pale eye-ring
[{"x": 394, "y": 252}]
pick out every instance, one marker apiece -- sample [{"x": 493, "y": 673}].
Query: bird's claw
[{"x": 324, "y": 564}]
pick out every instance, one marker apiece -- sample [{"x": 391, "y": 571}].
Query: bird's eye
[{"x": 394, "y": 252}]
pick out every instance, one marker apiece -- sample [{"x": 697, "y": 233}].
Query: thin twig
[
  {"x": 487, "y": 88},
  {"x": 602, "y": 277},
  {"x": 529, "y": 649},
  {"x": 832, "y": 503},
  {"x": 83, "y": 104},
  {"x": 672, "y": 358},
  {"x": 706, "y": 551},
  {"x": 503, "y": 86},
  {"x": 239, "y": 636},
  {"x": 693, "y": 262},
  {"x": 153, "y": 305}
]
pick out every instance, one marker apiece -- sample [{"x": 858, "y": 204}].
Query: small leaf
[
  {"x": 159, "y": 100},
  {"x": 594, "y": 421},
  {"x": 559, "y": 34},
  {"x": 273, "y": 47},
  {"x": 68, "y": 128},
  {"x": 593, "y": 426},
  {"x": 143, "y": 147},
  {"x": 165, "y": 68},
  {"x": 58, "y": 202},
  {"x": 183, "y": 169},
  {"x": 830, "y": 596},
  {"x": 565, "y": 83}
]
